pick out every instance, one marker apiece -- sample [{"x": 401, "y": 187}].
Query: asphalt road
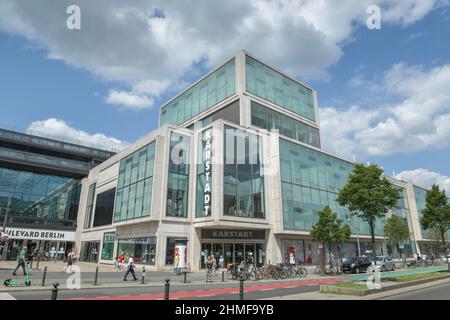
[{"x": 438, "y": 292}]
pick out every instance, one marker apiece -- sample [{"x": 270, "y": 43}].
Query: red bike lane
[{"x": 217, "y": 291}]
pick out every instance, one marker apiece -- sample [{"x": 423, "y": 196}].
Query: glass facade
[
  {"x": 269, "y": 119},
  {"x": 89, "y": 251},
  {"x": 134, "y": 185},
  {"x": 108, "y": 245},
  {"x": 310, "y": 181},
  {"x": 104, "y": 207},
  {"x": 402, "y": 210},
  {"x": 215, "y": 88},
  {"x": 243, "y": 182},
  {"x": 38, "y": 198},
  {"x": 204, "y": 175},
  {"x": 142, "y": 250},
  {"x": 178, "y": 178},
  {"x": 271, "y": 85},
  {"x": 420, "y": 196}
]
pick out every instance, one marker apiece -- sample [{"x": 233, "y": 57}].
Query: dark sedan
[{"x": 356, "y": 264}]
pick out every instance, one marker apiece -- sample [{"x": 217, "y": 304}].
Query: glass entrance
[
  {"x": 238, "y": 253},
  {"x": 234, "y": 253}
]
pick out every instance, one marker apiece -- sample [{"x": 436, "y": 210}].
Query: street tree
[
  {"x": 396, "y": 231},
  {"x": 436, "y": 214},
  {"x": 328, "y": 230},
  {"x": 368, "y": 195}
]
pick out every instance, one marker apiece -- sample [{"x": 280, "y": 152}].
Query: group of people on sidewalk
[
  {"x": 119, "y": 263},
  {"x": 25, "y": 260},
  {"x": 211, "y": 266}
]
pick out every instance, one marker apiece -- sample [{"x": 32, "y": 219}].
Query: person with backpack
[{"x": 130, "y": 269}]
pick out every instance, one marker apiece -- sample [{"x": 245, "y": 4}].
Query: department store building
[{"x": 235, "y": 168}]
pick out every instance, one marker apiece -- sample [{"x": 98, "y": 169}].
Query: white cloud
[
  {"x": 425, "y": 178},
  {"x": 125, "y": 41},
  {"x": 129, "y": 100},
  {"x": 60, "y": 130},
  {"x": 420, "y": 119}
]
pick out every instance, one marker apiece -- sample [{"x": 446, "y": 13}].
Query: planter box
[{"x": 364, "y": 292}]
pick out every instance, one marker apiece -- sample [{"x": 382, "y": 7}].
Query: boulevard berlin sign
[{"x": 39, "y": 234}]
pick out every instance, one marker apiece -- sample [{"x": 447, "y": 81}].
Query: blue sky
[{"x": 105, "y": 82}]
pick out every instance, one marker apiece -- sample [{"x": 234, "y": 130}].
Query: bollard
[
  {"x": 223, "y": 276},
  {"x": 44, "y": 276},
  {"x": 96, "y": 276},
  {"x": 54, "y": 291},
  {"x": 241, "y": 288},
  {"x": 185, "y": 273},
  {"x": 143, "y": 275},
  {"x": 166, "y": 289}
]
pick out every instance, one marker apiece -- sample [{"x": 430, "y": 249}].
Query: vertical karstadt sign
[{"x": 207, "y": 155}]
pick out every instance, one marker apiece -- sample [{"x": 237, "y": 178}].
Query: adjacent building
[
  {"x": 40, "y": 186},
  {"x": 235, "y": 169}
]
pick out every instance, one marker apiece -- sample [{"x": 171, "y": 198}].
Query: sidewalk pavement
[{"x": 107, "y": 278}]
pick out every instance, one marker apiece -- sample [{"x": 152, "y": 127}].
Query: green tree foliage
[
  {"x": 328, "y": 229},
  {"x": 436, "y": 214},
  {"x": 396, "y": 230},
  {"x": 368, "y": 195}
]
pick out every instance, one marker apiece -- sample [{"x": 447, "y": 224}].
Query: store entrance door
[{"x": 233, "y": 253}]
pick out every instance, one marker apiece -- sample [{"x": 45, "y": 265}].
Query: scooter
[{"x": 16, "y": 283}]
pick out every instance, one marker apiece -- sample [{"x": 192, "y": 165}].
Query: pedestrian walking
[
  {"x": 221, "y": 262},
  {"x": 209, "y": 267},
  {"x": 120, "y": 260},
  {"x": 214, "y": 264},
  {"x": 130, "y": 269},
  {"x": 116, "y": 264},
  {"x": 69, "y": 261},
  {"x": 21, "y": 262}
]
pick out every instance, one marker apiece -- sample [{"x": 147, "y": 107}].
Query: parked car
[
  {"x": 385, "y": 263},
  {"x": 356, "y": 264}
]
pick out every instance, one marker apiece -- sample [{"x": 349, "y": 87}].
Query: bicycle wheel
[
  {"x": 231, "y": 275},
  {"x": 318, "y": 269},
  {"x": 302, "y": 272}
]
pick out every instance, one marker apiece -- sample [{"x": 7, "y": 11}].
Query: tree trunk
[
  {"x": 374, "y": 254},
  {"x": 445, "y": 246},
  {"x": 329, "y": 254},
  {"x": 323, "y": 265}
]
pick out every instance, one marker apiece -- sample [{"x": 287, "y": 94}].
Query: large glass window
[
  {"x": 243, "y": 182},
  {"x": 310, "y": 181},
  {"x": 104, "y": 207},
  {"x": 142, "y": 250},
  {"x": 271, "y": 85},
  {"x": 215, "y": 88},
  {"x": 34, "y": 198},
  {"x": 269, "y": 119},
  {"x": 134, "y": 184},
  {"x": 108, "y": 245},
  {"x": 178, "y": 178}
]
